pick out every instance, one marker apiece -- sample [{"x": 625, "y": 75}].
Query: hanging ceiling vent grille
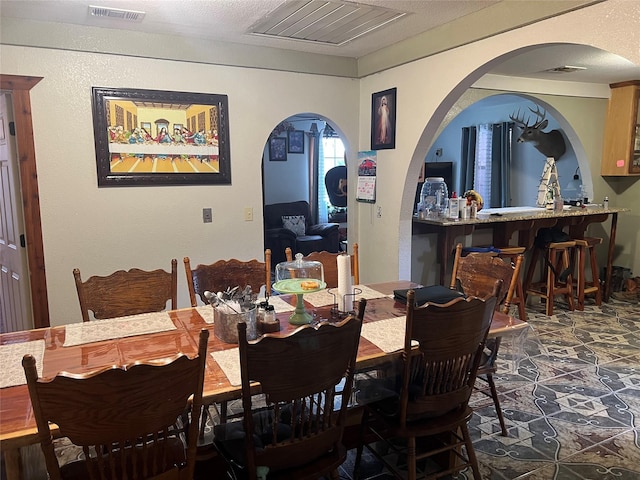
[
  {"x": 322, "y": 21},
  {"x": 118, "y": 13},
  {"x": 565, "y": 69}
]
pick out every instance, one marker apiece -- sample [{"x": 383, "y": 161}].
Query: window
[
  {"x": 482, "y": 170},
  {"x": 331, "y": 155}
]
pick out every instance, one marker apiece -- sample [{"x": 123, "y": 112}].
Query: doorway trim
[{"x": 19, "y": 87}]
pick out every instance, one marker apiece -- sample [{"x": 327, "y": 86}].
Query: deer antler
[
  {"x": 519, "y": 121},
  {"x": 540, "y": 114}
]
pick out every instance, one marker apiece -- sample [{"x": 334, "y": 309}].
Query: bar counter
[{"x": 504, "y": 222}]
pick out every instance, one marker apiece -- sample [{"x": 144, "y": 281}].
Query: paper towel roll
[{"x": 345, "y": 287}]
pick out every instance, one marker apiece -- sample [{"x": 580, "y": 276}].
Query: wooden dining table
[{"x": 17, "y": 424}]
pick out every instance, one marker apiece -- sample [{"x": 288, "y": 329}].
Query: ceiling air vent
[
  {"x": 565, "y": 69},
  {"x": 323, "y": 21},
  {"x": 117, "y": 13}
]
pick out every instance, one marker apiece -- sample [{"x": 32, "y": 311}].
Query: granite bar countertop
[{"x": 511, "y": 214}]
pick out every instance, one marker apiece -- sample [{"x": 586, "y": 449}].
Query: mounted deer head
[{"x": 550, "y": 144}]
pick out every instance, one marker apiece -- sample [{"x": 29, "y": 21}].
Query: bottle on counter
[{"x": 454, "y": 209}]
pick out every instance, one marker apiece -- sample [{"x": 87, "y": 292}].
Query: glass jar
[{"x": 434, "y": 197}]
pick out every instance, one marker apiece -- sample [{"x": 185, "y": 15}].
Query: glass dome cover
[{"x": 299, "y": 276}]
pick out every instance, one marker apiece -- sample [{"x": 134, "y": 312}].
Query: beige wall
[{"x": 100, "y": 230}]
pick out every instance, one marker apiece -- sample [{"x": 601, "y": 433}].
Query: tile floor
[{"x": 572, "y": 404}]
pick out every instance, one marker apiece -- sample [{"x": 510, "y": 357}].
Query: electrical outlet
[
  {"x": 248, "y": 214},
  {"x": 207, "y": 216},
  {"x": 379, "y": 213},
  {"x": 438, "y": 152}
]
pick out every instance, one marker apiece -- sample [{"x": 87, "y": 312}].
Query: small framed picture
[
  {"x": 278, "y": 149},
  {"x": 296, "y": 141},
  {"x": 383, "y": 119}
]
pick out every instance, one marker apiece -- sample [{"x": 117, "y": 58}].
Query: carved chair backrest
[{"x": 127, "y": 292}]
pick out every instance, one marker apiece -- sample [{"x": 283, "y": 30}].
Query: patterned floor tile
[{"x": 570, "y": 395}]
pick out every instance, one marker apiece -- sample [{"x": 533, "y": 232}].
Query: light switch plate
[{"x": 207, "y": 216}]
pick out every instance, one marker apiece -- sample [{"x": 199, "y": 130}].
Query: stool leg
[
  {"x": 530, "y": 271},
  {"x": 595, "y": 275},
  {"x": 551, "y": 281},
  {"x": 569, "y": 294},
  {"x": 522, "y": 311},
  {"x": 581, "y": 276}
]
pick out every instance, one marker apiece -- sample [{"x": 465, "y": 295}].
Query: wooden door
[{"x": 15, "y": 302}]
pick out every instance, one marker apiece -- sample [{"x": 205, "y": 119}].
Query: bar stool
[
  {"x": 557, "y": 260},
  {"x": 586, "y": 247}
]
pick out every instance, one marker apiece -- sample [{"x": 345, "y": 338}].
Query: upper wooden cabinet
[{"x": 621, "y": 153}]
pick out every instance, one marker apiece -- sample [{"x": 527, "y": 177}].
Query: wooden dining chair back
[
  {"x": 122, "y": 417},
  {"x": 476, "y": 274},
  {"x": 127, "y": 292},
  {"x": 442, "y": 349},
  {"x": 330, "y": 265},
  {"x": 224, "y": 274},
  {"x": 299, "y": 432}
]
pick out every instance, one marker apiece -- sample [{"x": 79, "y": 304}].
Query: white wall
[{"x": 100, "y": 230}]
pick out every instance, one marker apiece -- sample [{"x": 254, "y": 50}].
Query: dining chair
[
  {"x": 306, "y": 379},
  {"x": 123, "y": 417},
  {"x": 476, "y": 274},
  {"x": 330, "y": 265},
  {"x": 432, "y": 393},
  {"x": 223, "y": 274},
  {"x": 127, "y": 292}
]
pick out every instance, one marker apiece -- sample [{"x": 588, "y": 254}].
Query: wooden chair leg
[
  {"x": 411, "y": 458},
  {"x": 496, "y": 403},
  {"x": 473, "y": 460}
]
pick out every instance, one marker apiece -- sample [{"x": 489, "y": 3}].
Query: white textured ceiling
[{"x": 231, "y": 21}]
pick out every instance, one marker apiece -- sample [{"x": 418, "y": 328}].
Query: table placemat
[
  {"x": 387, "y": 335},
  {"x": 322, "y": 298},
  {"x": 112, "y": 328},
  {"x": 206, "y": 312},
  {"x": 281, "y": 305},
  {"x": 368, "y": 293},
  {"x": 11, "y": 361},
  {"x": 229, "y": 361}
]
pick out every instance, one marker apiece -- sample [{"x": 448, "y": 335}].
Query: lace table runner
[
  {"x": 387, "y": 335},
  {"x": 229, "y": 362},
  {"x": 281, "y": 305},
  {"x": 11, "y": 361},
  {"x": 326, "y": 297},
  {"x": 112, "y": 328}
]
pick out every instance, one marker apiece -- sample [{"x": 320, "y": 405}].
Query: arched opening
[
  {"x": 449, "y": 109},
  {"x": 303, "y": 158}
]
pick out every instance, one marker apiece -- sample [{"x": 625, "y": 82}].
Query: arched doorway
[{"x": 297, "y": 158}]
